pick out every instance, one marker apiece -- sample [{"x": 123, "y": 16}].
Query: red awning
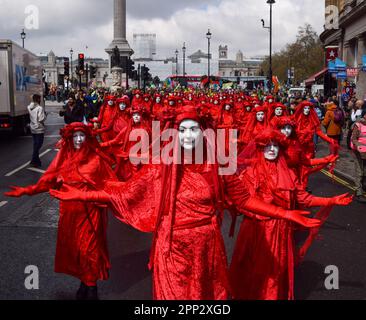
[{"x": 315, "y": 77}]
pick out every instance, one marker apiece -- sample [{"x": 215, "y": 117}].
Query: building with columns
[
  {"x": 349, "y": 37},
  {"x": 240, "y": 67}
]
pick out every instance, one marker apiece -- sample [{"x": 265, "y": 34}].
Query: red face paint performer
[
  {"x": 120, "y": 146},
  {"x": 118, "y": 122},
  {"x": 81, "y": 249},
  {"x": 264, "y": 257},
  {"x": 179, "y": 203},
  {"x": 106, "y": 118},
  {"x": 275, "y": 112},
  {"x": 294, "y": 154},
  {"x": 256, "y": 124},
  {"x": 308, "y": 125}
]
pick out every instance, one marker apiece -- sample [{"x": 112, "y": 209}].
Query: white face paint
[
  {"x": 306, "y": 110},
  {"x": 122, "y": 106},
  {"x": 78, "y": 139},
  {"x": 260, "y": 116},
  {"x": 228, "y": 107},
  {"x": 136, "y": 117},
  {"x": 171, "y": 103},
  {"x": 158, "y": 100},
  {"x": 137, "y": 96},
  {"x": 270, "y": 101},
  {"x": 248, "y": 109},
  {"x": 110, "y": 103},
  {"x": 278, "y": 112},
  {"x": 287, "y": 130},
  {"x": 216, "y": 102},
  {"x": 271, "y": 151},
  {"x": 190, "y": 134}
]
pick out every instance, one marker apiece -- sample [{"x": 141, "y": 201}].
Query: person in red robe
[
  {"x": 257, "y": 123},
  {"x": 81, "y": 249},
  {"x": 106, "y": 117},
  {"x": 263, "y": 261},
  {"x": 181, "y": 203},
  {"x": 275, "y": 112},
  {"x": 296, "y": 159}
]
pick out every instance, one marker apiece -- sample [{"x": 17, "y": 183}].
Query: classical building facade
[
  {"x": 240, "y": 67},
  {"x": 53, "y": 67},
  {"x": 349, "y": 35}
]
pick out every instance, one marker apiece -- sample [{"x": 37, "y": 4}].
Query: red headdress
[{"x": 310, "y": 122}]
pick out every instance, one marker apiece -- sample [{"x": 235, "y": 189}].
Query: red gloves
[
  {"x": 259, "y": 207},
  {"x": 72, "y": 194},
  {"x": 342, "y": 200},
  {"x": 20, "y": 191},
  {"x": 326, "y": 160}
]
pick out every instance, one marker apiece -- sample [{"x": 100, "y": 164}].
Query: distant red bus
[{"x": 191, "y": 81}]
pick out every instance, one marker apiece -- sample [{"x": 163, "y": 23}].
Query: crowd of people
[{"x": 182, "y": 202}]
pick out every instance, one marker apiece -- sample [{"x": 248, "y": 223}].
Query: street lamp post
[
  {"x": 270, "y": 2},
  {"x": 208, "y": 36},
  {"x": 184, "y": 59},
  {"x": 176, "y": 62},
  {"x": 23, "y": 36},
  {"x": 71, "y": 72}
]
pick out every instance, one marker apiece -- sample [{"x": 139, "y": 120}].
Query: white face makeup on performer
[
  {"x": 79, "y": 138},
  {"x": 171, "y": 103},
  {"x": 271, "y": 151},
  {"x": 136, "y": 118},
  {"x": 270, "y": 101},
  {"x": 260, "y": 116},
  {"x": 306, "y": 110},
  {"x": 287, "y": 130},
  {"x": 278, "y": 112},
  {"x": 190, "y": 134},
  {"x": 110, "y": 103},
  {"x": 227, "y": 107},
  {"x": 122, "y": 106},
  {"x": 158, "y": 100},
  {"x": 248, "y": 109}
]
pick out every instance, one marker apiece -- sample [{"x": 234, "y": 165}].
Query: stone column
[{"x": 119, "y": 19}]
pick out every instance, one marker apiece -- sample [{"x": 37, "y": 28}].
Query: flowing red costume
[
  {"x": 121, "y": 145},
  {"x": 272, "y": 117},
  {"x": 106, "y": 118},
  {"x": 295, "y": 156},
  {"x": 81, "y": 249},
  {"x": 263, "y": 262},
  {"x": 180, "y": 204},
  {"x": 254, "y": 126}
]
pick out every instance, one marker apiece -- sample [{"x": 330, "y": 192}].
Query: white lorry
[{"x": 20, "y": 78}]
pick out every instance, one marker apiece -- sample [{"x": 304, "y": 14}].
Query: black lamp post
[
  {"x": 209, "y": 36},
  {"x": 184, "y": 59},
  {"x": 23, "y": 36},
  {"x": 270, "y": 2},
  {"x": 71, "y": 72},
  {"x": 176, "y": 62}
]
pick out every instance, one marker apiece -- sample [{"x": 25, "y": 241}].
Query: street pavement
[{"x": 28, "y": 230}]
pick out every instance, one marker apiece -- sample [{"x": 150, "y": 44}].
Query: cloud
[{"x": 77, "y": 24}]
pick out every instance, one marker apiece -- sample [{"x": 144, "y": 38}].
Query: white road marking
[
  {"x": 26, "y": 164},
  {"x": 36, "y": 170},
  {"x": 3, "y": 203}
]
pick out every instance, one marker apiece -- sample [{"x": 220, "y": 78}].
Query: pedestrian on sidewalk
[
  {"x": 359, "y": 151},
  {"x": 37, "y": 117},
  {"x": 334, "y": 120}
]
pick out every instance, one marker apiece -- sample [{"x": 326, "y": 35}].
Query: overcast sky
[{"x": 79, "y": 23}]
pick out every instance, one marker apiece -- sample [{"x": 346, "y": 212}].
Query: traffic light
[
  {"x": 81, "y": 62},
  {"x": 66, "y": 67},
  {"x": 93, "y": 72},
  {"x": 145, "y": 73},
  {"x": 130, "y": 67}
]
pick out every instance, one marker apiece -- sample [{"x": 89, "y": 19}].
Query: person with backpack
[
  {"x": 334, "y": 121},
  {"x": 358, "y": 145}
]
